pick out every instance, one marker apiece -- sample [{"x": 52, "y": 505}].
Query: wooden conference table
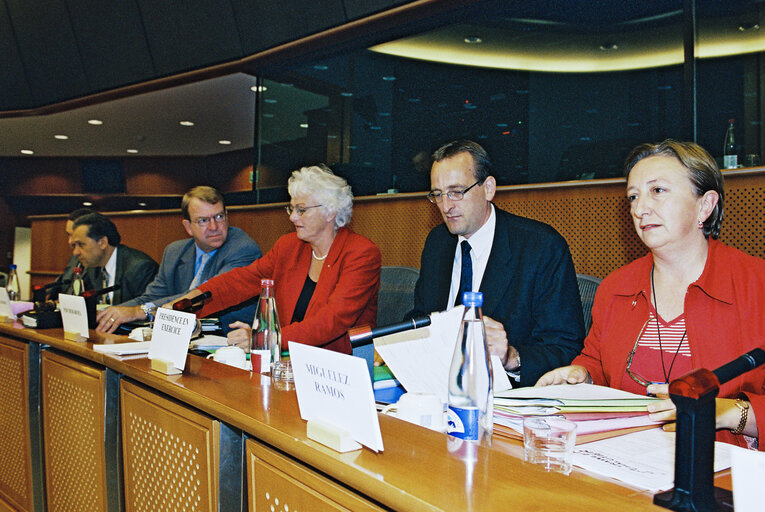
[{"x": 86, "y": 431}]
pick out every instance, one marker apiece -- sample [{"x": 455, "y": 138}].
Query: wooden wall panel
[{"x": 592, "y": 216}]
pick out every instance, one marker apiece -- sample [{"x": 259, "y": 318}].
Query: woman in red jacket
[
  {"x": 691, "y": 302},
  {"x": 325, "y": 276}
]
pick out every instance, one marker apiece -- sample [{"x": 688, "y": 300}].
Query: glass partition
[{"x": 553, "y": 94}]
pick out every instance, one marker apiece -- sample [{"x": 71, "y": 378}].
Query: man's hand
[
  {"x": 496, "y": 340},
  {"x": 240, "y": 335},
  {"x": 114, "y": 316},
  {"x": 573, "y": 374}
]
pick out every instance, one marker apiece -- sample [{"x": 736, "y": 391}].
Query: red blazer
[
  {"x": 724, "y": 315},
  {"x": 345, "y": 296}
]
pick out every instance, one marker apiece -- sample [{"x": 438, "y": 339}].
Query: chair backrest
[
  {"x": 588, "y": 285},
  {"x": 396, "y": 295},
  {"x": 395, "y": 298}
]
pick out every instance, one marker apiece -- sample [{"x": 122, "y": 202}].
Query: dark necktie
[
  {"x": 104, "y": 284},
  {"x": 466, "y": 275}
]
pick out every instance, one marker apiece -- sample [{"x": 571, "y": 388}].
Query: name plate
[
  {"x": 74, "y": 316},
  {"x": 335, "y": 389},
  {"x": 171, "y": 336},
  {"x": 6, "y": 313}
]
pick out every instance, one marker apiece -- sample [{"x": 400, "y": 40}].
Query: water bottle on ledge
[
  {"x": 14, "y": 291},
  {"x": 730, "y": 158},
  {"x": 266, "y": 332},
  {"x": 471, "y": 399},
  {"x": 78, "y": 287}
]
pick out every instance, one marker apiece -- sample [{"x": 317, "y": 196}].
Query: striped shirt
[{"x": 647, "y": 361}]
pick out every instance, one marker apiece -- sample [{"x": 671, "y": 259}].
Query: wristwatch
[
  {"x": 744, "y": 406},
  {"x": 149, "y": 309}
]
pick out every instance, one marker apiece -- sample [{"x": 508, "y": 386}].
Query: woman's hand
[
  {"x": 663, "y": 410},
  {"x": 573, "y": 374},
  {"x": 240, "y": 335}
]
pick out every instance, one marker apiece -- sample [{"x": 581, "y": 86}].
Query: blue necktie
[{"x": 466, "y": 276}]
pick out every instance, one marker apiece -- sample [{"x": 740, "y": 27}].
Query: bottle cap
[
  {"x": 12, "y": 266},
  {"x": 77, "y": 270},
  {"x": 266, "y": 282},
  {"x": 731, "y": 121},
  {"x": 472, "y": 299}
]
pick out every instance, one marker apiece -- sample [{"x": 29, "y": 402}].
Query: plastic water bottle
[
  {"x": 266, "y": 332},
  {"x": 471, "y": 397},
  {"x": 77, "y": 285},
  {"x": 14, "y": 291},
  {"x": 730, "y": 158}
]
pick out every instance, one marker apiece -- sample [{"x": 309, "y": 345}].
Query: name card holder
[
  {"x": 331, "y": 436},
  {"x": 164, "y": 366}
]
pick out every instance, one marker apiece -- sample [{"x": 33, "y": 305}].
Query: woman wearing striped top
[{"x": 691, "y": 302}]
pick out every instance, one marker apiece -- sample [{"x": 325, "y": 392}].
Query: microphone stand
[{"x": 694, "y": 396}]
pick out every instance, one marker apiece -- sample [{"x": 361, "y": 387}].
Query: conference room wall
[{"x": 591, "y": 215}]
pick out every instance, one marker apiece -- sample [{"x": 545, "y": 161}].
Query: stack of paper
[
  {"x": 598, "y": 411},
  {"x": 122, "y": 349}
]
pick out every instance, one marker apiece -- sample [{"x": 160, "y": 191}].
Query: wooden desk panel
[
  {"x": 15, "y": 450},
  {"x": 170, "y": 453},
  {"x": 277, "y": 482},
  {"x": 73, "y": 399}
]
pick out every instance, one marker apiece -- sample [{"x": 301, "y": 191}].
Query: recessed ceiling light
[
  {"x": 27, "y": 152},
  {"x": 258, "y": 88},
  {"x": 224, "y": 142},
  {"x": 389, "y": 78},
  {"x": 61, "y": 137},
  {"x": 95, "y": 122},
  {"x": 748, "y": 26},
  {"x": 304, "y": 125},
  {"x": 609, "y": 47},
  {"x": 142, "y": 204},
  {"x": 473, "y": 40},
  {"x": 320, "y": 67},
  {"x": 269, "y": 100},
  {"x": 132, "y": 151},
  {"x": 87, "y": 203},
  {"x": 268, "y": 115},
  {"x": 186, "y": 123},
  {"x": 346, "y": 94}
]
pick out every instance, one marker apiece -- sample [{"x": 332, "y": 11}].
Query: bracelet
[{"x": 744, "y": 406}]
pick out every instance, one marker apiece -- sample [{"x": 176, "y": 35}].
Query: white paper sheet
[
  {"x": 335, "y": 388},
  {"x": 122, "y": 349},
  {"x": 420, "y": 358},
  {"x": 74, "y": 315},
  {"x": 747, "y": 474},
  {"x": 581, "y": 391},
  {"x": 643, "y": 459}
]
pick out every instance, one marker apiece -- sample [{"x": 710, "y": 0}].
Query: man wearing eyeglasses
[
  {"x": 532, "y": 310},
  {"x": 214, "y": 248}
]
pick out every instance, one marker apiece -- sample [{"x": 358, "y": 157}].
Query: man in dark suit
[
  {"x": 214, "y": 248},
  {"x": 532, "y": 311},
  {"x": 96, "y": 243},
  {"x": 74, "y": 261}
]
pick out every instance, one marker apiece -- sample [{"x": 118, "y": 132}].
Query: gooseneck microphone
[
  {"x": 193, "y": 304},
  {"x": 89, "y": 294},
  {"x": 364, "y": 335},
  {"x": 740, "y": 365}
]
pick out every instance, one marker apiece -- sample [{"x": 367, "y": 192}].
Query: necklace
[
  {"x": 658, "y": 331},
  {"x": 313, "y": 253}
]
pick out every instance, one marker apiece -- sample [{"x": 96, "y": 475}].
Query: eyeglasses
[
  {"x": 299, "y": 209},
  {"x": 634, "y": 375},
  {"x": 453, "y": 195},
  {"x": 203, "y": 222}
]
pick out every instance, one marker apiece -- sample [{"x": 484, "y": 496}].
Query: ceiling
[{"x": 222, "y": 109}]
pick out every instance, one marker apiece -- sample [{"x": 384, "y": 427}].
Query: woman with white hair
[{"x": 325, "y": 276}]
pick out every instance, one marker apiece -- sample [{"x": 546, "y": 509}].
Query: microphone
[
  {"x": 39, "y": 291},
  {"x": 192, "y": 305},
  {"x": 363, "y": 335},
  {"x": 740, "y": 365},
  {"x": 90, "y": 294}
]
